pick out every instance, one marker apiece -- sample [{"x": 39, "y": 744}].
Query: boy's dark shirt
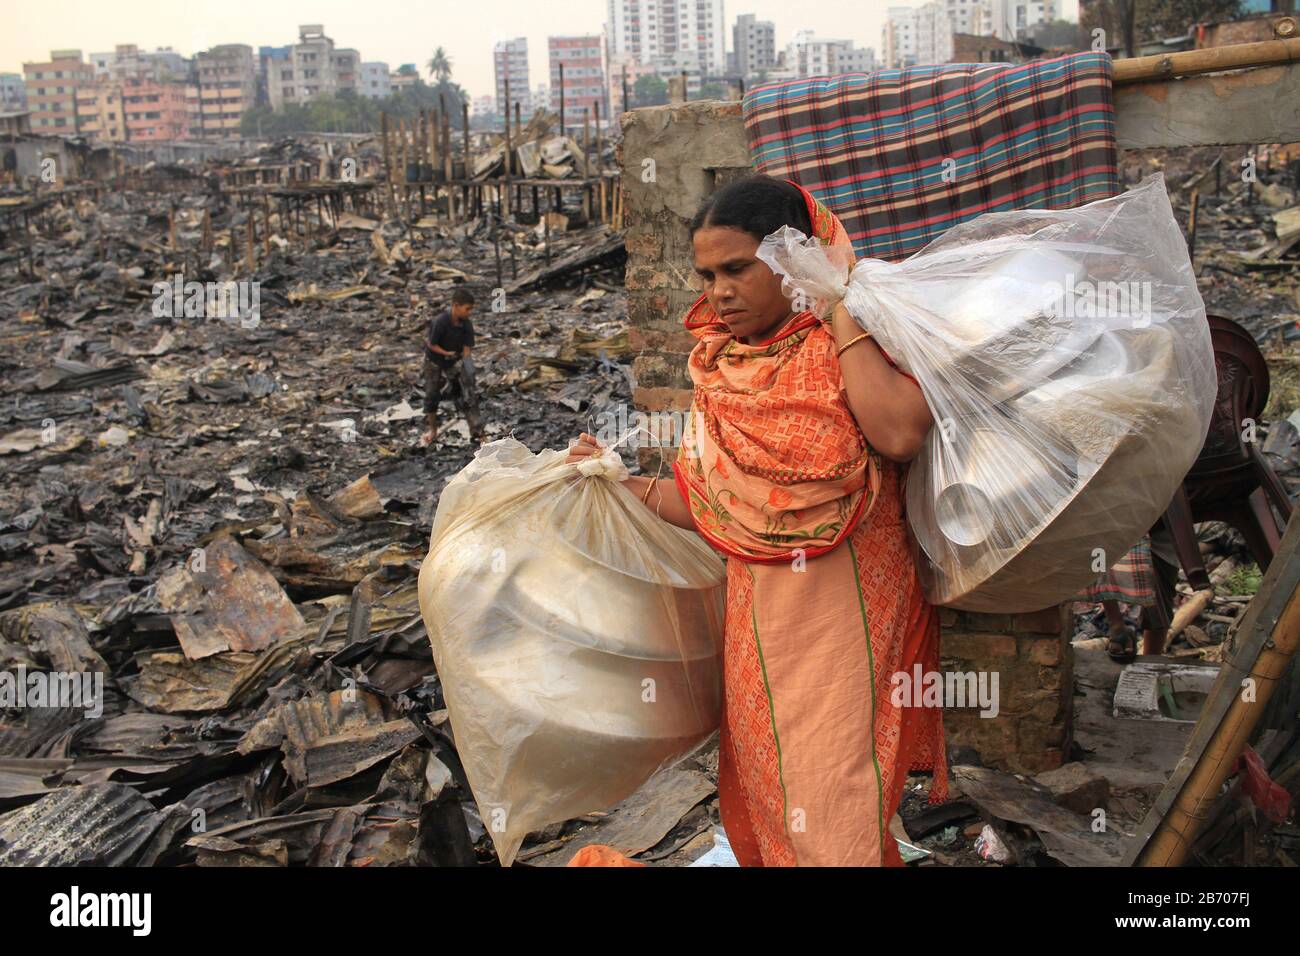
[{"x": 446, "y": 334}]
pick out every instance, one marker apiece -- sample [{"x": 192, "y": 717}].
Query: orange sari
[{"x": 823, "y": 601}]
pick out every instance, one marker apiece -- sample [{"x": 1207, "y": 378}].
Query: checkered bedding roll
[{"x": 902, "y": 155}]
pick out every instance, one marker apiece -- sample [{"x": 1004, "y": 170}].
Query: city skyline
[{"x": 77, "y": 24}]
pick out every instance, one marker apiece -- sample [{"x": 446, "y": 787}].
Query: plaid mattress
[{"x": 902, "y": 155}]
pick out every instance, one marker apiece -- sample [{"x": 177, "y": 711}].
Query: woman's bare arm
[
  {"x": 887, "y": 405},
  {"x": 665, "y": 500}
]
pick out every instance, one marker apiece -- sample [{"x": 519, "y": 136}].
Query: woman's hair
[{"x": 757, "y": 205}]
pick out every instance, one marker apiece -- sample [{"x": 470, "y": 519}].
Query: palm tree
[{"x": 439, "y": 65}]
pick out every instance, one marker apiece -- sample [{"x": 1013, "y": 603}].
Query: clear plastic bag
[
  {"x": 577, "y": 636},
  {"x": 1066, "y": 358}
]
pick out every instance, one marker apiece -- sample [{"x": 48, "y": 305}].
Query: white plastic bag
[
  {"x": 576, "y": 635},
  {"x": 1066, "y": 358}
]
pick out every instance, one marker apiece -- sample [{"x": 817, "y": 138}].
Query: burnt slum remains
[{"x": 223, "y": 518}]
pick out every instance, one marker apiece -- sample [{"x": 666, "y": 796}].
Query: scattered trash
[{"x": 989, "y": 847}]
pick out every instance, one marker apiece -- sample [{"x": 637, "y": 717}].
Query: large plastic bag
[
  {"x": 1066, "y": 358},
  {"x": 576, "y": 635}
]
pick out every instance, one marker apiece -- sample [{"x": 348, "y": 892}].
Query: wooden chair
[{"x": 1230, "y": 481}]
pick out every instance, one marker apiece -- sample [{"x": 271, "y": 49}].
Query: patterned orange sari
[{"x": 823, "y": 600}]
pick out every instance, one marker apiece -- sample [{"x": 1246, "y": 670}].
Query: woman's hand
[
  {"x": 584, "y": 447},
  {"x": 659, "y": 496}
]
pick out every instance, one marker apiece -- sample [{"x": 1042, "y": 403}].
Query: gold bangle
[
  {"x": 853, "y": 341},
  {"x": 645, "y": 499}
]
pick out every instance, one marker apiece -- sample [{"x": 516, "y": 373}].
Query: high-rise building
[
  {"x": 375, "y": 82},
  {"x": 510, "y": 59},
  {"x": 650, "y": 31},
  {"x": 754, "y": 43},
  {"x": 966, "y": 15},
  {"x": 584, "y": 76},
  {"x": 226, "y": 88},
  {"x": 52, "y": 91},
  {"x": 915, "y": 36}
]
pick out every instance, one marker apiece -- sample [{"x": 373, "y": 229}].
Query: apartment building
[
  {"x": 375, "y": 81},
  {"x": 916, "y": 36},
  {"x": 1011, "y": 20},
  {"x": 129, "y": 62},
  {"x": 100, "y": 115},
  {"x": 51, "y": 87},
  {"x": 855, "y": 59},
  {"x": 754, "y": 43},
  {"x": 133, "y": 111},
  {"x": 966, "y": 16},
  {"x": 810, "y": 55},
  {"x": 311, "y": 68},
  {"x": 347, "y": 71},
  {"x": 13, "y": 93},
  {"x": 155, "y": 112},
  {"x": 403, "y": 78},
  {"x": 510, "y": 60},
  {"x": 584, "y": 76},
  {"x": 225, "y": 89}
]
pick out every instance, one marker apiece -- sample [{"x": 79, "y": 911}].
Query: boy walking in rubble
[{"x": 448, "y": 340}]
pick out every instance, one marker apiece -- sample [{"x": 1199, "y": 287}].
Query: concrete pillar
[{"x": 673, "y": 157}]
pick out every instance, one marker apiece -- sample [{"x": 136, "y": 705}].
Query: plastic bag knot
[{"x": 607, "y": 465}]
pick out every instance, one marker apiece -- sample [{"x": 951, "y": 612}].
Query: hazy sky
[{"x": 395, "y": 31}]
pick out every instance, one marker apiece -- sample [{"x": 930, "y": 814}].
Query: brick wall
[
  {"x": 673, "y": 157},
  {"x": 1032, "y": 657}
]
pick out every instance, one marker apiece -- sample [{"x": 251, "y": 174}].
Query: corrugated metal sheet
[{"x": 98, "y": 825}]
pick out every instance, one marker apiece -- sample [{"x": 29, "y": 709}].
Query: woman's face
[{"x": 743, "y": 291}]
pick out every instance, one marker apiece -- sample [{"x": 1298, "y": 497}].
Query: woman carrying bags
[{"x": 793, "y": 467}]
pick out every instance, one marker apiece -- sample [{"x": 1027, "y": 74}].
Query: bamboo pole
[
  {"x": 446, "y": 165},
  {"x": 1236, "y": 56},
  {"x": 435, "y": 145},
  {"x": 465, "y": 172},
  {"x": 503, "y": 202},
  {"x": 586, "y": 141},
  {"x": 388, "y": 163}
]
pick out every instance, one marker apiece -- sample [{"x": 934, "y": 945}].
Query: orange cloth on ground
[
  {"x": 598, "y": 854},
  {"x": 823, "y": 601}
]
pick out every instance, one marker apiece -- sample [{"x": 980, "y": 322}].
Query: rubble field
[{"x": 222, "y": 517}]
